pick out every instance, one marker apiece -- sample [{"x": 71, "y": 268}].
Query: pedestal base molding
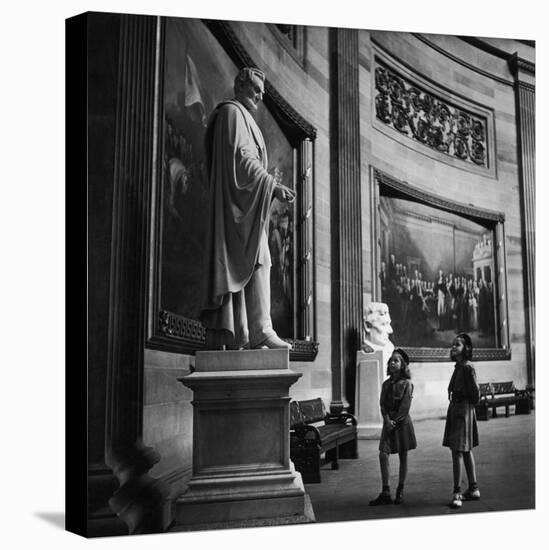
[{"x": 242, "y": 473}]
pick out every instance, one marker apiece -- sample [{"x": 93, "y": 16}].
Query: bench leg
[
  {"x": 507, "y": 411},
  {"x": 349, "y": 449},
  {"x": 522, "y": 406},
  {"x": 307, "y": 463},
  {"x": 494, "y": 413},
  {"x": 331, "y": 456}
]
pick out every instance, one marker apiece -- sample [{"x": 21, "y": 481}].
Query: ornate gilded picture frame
[{"x": 195, "y": 62}]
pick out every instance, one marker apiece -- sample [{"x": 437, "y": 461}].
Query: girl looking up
[{"x": 397, "y": 434}]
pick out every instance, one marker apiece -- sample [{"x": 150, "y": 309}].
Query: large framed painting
[
  {"x": 440, "y": 268},
  {"x": 198, "y": 62}
]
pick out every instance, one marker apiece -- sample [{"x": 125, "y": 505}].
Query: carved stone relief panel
[{"x": 431, "y": 119}]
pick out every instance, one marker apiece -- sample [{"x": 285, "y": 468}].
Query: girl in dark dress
[
  {"x": 460, "y": 432},
  {"x": 397, "y": 435}
]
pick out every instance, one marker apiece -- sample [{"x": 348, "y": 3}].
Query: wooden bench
[
  {"x": 502, "y": 394},
  {"x": 314, "y": 432}
]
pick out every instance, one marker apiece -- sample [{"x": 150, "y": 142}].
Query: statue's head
[
  {"x": 377, "y": 323},
  {"x": 249, "y": 87}
]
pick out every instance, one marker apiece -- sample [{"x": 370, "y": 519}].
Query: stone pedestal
[
  {"x": 241, "y": 457},
  {"x": 370, "y": 373}
]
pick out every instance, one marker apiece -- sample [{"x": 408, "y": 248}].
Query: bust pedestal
[
  {"x": 241, "y": 458},
  {"x": 370, "y": 373}
]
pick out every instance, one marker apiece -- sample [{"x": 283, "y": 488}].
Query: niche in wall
[{"x": 197, "y": 63}]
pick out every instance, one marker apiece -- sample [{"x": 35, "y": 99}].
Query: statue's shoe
[{"x": 273, "y": 342}]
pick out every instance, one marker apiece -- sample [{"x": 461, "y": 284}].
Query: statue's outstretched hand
[
  {"x": 284, "y": 194},
  {"x": 281, "y": 192}
]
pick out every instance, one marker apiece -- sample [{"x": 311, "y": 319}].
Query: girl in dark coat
[
  {"x": 460, "y": 432},
  {"x": 397, "y": 435}
]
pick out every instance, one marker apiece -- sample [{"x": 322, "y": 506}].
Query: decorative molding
[
  {"x": 290, "y": 117},
  {"x": 294, "y": 125},
  {"x": 408, "y": 108},
  {"x": 428, "y": 219},
  {"x": 178, "y": 474},
  {"x": 142, "y": 501},
  {"x": 485, "y": 46},
  {"x": 435, "y": 355},
  {"x": 305, "y": 314},
  {"x": 469, "y": 211},
  {"x": 189, "y": 330},
  {"x": 462, "y": 62},
  {"x": 514, "y": 61},
  {"x": 519, "y": 65},
  {"x": 303, "y": 350}
]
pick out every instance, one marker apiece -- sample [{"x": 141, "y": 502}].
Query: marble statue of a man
[{"x": 236, "y": 307}]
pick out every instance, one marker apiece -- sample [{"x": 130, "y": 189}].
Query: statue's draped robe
[{"x": 241, "y": 190}]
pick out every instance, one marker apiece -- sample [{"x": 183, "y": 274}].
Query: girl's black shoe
[
  {"x": 382, "y": 498},
  {"x": 399, "y": 496}
]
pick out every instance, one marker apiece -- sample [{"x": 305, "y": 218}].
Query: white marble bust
[{"x": 376, "y": 324}]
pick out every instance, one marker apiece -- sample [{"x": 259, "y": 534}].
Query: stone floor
[{"x": 505, "y": 468}]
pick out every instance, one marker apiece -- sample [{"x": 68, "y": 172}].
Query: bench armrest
[
  {"x": 340, "y": 418},
  {"x": 488, "y": 397},
  {"x": 307, "y": 434}
]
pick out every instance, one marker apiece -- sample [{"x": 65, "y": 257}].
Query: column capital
[{"x": 524, "y": 71}]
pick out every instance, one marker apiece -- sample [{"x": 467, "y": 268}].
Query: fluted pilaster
[
  {"x": 132, "y": 183},
  {"x": 525, "y": 97},
  {"x": 345, "y": 218},
  {"x": 141, "y": 501}
]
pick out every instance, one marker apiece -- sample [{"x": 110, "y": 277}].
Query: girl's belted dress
[
  {"x": 395, "y": 401},
  {"x": 461, "y": 432}
]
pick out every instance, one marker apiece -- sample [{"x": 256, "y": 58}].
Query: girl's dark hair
[
  {"x": 468, "y": 344},
  {"x": 404, "y": 363}
]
